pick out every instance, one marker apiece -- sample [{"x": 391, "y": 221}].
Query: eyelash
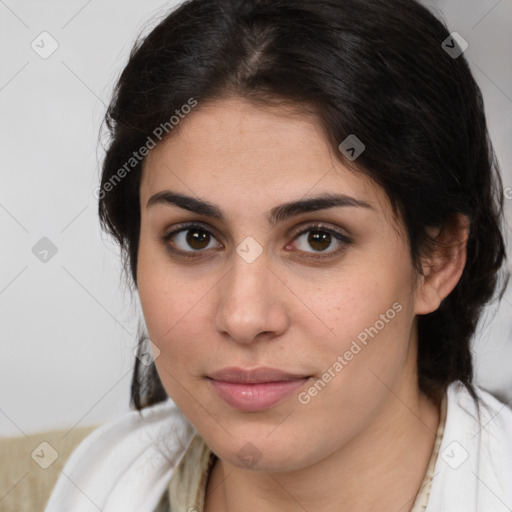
[{"x": 338, "y": 235}]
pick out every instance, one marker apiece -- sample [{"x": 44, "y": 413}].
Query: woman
[{"x": 309, "y": 207}]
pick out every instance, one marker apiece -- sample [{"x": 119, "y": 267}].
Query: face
[{"x": 326, "y": 293}]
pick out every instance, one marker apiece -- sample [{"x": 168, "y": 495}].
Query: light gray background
[{"x": 68, "y": 326}]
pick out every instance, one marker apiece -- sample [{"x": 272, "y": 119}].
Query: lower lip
[{"x": 255, "y": 397}]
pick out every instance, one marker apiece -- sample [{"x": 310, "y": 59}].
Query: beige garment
[
  {"x": 30, "y": 466},
  {"x": 420, "y": 504},
  {"x": 187, "y": 488}
]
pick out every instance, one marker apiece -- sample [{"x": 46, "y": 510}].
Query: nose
[{"x": 251, "y": 302}]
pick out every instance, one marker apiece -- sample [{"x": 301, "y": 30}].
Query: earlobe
[{"x": 443, "y": 268}]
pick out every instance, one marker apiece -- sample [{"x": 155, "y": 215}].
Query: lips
[
  {"x": 254, "y": 376},
  {"x": 257, "y": 389}
]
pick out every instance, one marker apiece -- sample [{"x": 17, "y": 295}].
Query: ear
[{"x": 444, "y": 267}]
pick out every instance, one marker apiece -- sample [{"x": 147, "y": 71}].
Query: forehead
[{"x": 232, "y": 151}]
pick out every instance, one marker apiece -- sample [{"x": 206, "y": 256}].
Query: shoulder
[
  {"x": 473, "y": 470},
  {"x": 126, "y": 463},
  {"x": 488, "y": 420}
]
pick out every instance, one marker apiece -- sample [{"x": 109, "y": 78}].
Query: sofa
[{"x": 30, "y": 466}]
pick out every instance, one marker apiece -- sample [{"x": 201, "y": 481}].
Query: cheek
[
  {"x": 370, "y": 311},
  {"x": 173, "y": 325},
  {"x": 363, "y": 356},
  {"x": 356, "y": 299},
  {"x": 171, "y": 311},
  {"x": 167, "y": 300}
]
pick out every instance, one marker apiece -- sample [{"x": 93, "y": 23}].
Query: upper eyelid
[
  {"x": 185, "y": 226},
  {"x": 207, "y": 227}
]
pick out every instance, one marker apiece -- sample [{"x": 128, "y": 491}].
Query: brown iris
[
  {"x": 318, "y": 239},
  {"x": 196, "y": 238}
]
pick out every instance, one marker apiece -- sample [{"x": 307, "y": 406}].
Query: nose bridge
[
  {"x": 247, "y": 283},
  {"x": 247, "y": 303}
]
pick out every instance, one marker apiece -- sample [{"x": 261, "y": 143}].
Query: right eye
[{"x": 189, "y": 239}]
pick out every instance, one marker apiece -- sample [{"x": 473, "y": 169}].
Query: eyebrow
[{"x": 276, "y": 214}]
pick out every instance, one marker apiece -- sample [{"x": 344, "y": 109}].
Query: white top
[{"x": 127, "y": 464}]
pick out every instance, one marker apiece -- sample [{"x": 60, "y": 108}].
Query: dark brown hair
[{"x": 373, "y": 68}]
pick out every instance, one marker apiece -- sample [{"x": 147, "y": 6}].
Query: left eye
[{"x": 320, "y": 239}]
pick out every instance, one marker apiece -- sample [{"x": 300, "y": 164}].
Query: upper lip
[{"x": 261, "y": 374}]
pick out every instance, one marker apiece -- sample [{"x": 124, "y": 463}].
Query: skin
[{"x": 364, "y": 441}]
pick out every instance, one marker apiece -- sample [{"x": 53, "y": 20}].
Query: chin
[{"x": 264, "y": 454}]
